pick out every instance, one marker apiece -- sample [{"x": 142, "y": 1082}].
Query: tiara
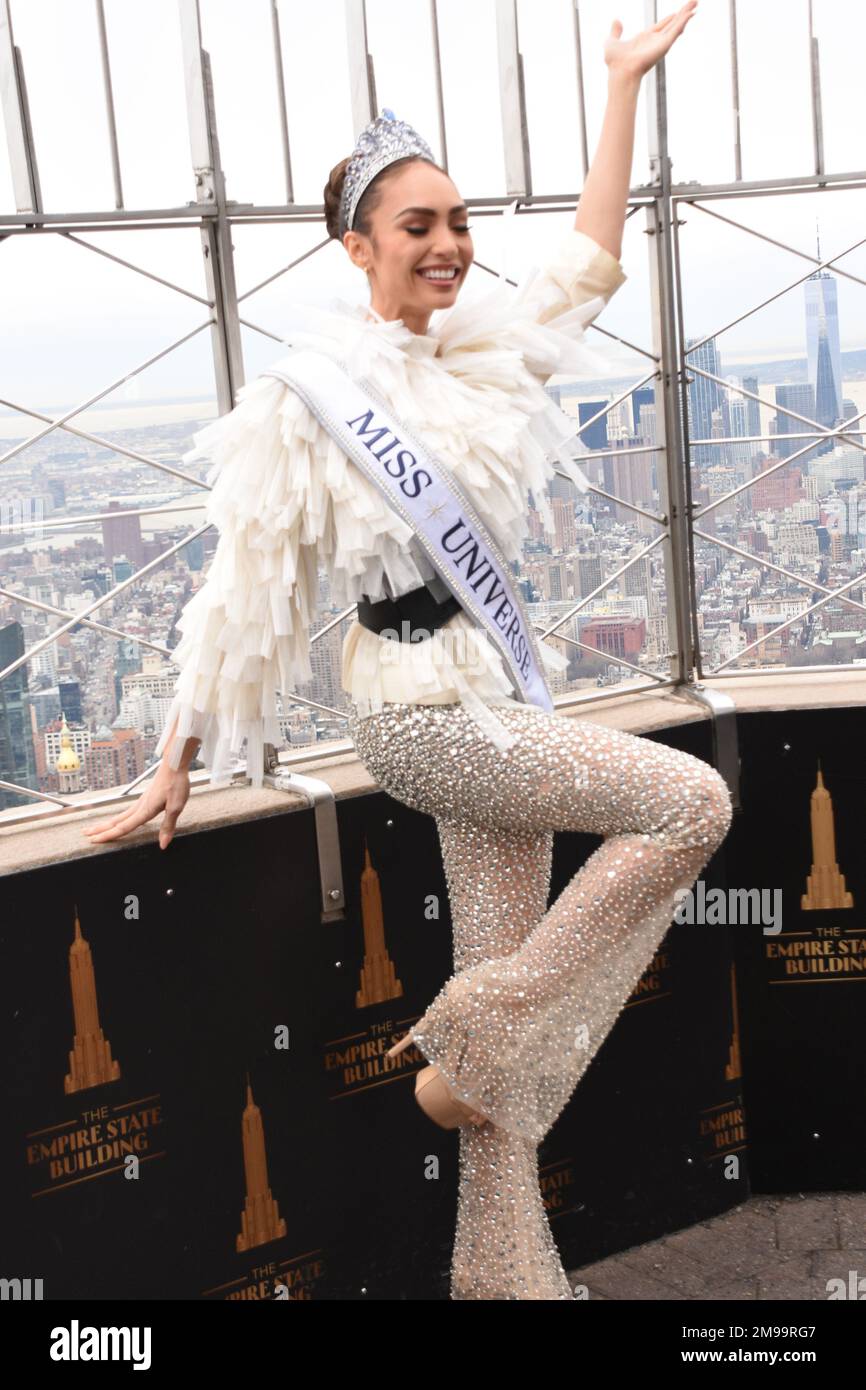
[{"x": 382, "y": 142}]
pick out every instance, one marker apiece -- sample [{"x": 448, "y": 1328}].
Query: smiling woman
[
  {"x": 535, "y": 988},
  {"x": 287, "y": 495},
  {"x": 410, "y": 236}
]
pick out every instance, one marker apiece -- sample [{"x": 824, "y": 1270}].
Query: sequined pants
[{"x": 536, "y": 990}]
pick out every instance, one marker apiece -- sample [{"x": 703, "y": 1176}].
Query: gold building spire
[
  {"x": 378, "y": 976},
  {"x": 260, "y": 1218},
  {"x": 67, "y": 759},
  {"x": 90, "y": 1061},
  {"x": 825, "y": 885}
]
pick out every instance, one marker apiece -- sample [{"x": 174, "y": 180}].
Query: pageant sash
[{"x": 426, "y": 495}]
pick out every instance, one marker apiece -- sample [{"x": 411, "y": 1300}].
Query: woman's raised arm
[{"x": 602, "y": 206}]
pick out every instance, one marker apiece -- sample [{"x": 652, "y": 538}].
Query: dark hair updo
[{"x": 369, "y": 200}]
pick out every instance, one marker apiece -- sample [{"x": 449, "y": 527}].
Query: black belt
[{"x": 419, "y": 609}]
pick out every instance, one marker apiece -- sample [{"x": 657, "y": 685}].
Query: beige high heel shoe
[{"x": 435, "y": 1096}]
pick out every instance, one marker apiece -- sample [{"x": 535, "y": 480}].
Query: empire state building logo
[
  {"x": 260, "y": 1218},
  {"x": 825, "y": 885},
  {"x": 90, "y": 1061},
  {"x": 378, "y": 975}
]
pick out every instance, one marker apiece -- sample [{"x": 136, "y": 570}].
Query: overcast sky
[{"x": 73, "y": 319}]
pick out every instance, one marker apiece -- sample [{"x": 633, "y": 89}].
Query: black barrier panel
[
  {"x": 803, "y": 988},
  {"x": 184, "y": 1151},
  {"x": 197, "y": 1102}
]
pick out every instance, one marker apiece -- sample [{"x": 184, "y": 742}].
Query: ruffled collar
[
  {"x": 394, "y": 330},
  {"x": 485, "y": 340}
]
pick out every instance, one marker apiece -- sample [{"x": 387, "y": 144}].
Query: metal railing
[{"x": 214, "y": 216}]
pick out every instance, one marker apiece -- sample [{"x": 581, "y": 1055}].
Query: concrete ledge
[{"x": 60, "y": 837}]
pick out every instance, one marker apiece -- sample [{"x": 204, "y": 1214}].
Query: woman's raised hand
[
  {"x": 634, "y": 57},
  {"x": 168, "y": 791}
]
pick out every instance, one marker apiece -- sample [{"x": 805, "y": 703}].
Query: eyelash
[{"x": 419, "y": 231}]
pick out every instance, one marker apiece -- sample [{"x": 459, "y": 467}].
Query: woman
[{"x": 535, "y": 989}]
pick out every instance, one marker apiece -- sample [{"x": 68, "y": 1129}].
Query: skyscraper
[
  {"x": 17, "y": 755},
  {"x": 824, "y": 357},
  {"x": 798, "y": 396},
  {"x": 707, "y": 403}
]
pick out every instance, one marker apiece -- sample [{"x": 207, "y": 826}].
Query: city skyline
[
  {"x": 89, "y": 708},
  {"x": 92, "y": 315}
]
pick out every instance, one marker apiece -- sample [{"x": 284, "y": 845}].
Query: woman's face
[{"x": 419, "y": 225}]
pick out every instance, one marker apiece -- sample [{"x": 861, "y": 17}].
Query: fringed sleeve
[
  {"x": 515, "y": 340},
  {"x": 284, "y": 499},
  {"x": 243, "y": 633},
  {"x": 561, "y": 298}
]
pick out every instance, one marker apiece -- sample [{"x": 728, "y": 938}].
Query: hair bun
[{"x": 333, "y": 193}]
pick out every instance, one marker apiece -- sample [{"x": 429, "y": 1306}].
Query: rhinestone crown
[{"x": 382, "y": 142}]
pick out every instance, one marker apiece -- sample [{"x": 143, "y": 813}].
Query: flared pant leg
[
  {"x": 531, "y": 1001},
  {"x": 498, "y": 886}
]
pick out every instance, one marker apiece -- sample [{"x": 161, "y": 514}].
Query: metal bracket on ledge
[
  {"x": 726, "y": 745},
  {"x": 321, "y": 797}
]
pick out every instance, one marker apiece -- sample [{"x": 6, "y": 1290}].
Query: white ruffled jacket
[{"x": 286, "y": 498}]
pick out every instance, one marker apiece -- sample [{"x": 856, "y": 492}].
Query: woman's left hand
[{"x": 634, "y": 57}]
